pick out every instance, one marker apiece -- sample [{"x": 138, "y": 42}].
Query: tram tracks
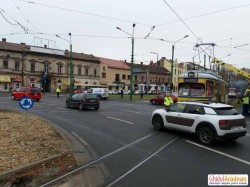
[{"x": 151, "y": 145}]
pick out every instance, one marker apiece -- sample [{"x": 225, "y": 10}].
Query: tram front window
[{"x": 195, "y": 89}]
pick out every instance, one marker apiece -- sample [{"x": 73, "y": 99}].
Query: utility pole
[{"x": 71, "y": 70}]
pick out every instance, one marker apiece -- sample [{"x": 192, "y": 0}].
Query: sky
[{"x": 159, "y": 24}]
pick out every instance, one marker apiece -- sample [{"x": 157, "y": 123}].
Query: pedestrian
[
  {"x": 122, "y": 94},
  {"x": 141, "y": 94},
  {"x": 245, "y": 104},
  {"x": 58, "y": 90},
  {"x": 168, "y": 100}
]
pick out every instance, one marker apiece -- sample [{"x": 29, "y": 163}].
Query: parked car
[
  {"x": 83, "y": 100},
  {"x": 32, "y": 92},
  {"x": 101, "y": 93},
  {"x": 208, "y": 121},
  {"x": 82, "y": 90},
  {"x": 159, "y": 98},
  {"x": 138, "y": 92}
]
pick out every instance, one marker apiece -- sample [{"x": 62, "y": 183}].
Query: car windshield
[
  {"x": 226, "y": 111},
  {"x": 35, "y": 90},
  {"x": 91, "y": 96}
]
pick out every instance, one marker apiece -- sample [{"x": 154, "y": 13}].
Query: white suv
[
  {"x": 102, "y": 93},
  {"x": 207, "y": 120}
]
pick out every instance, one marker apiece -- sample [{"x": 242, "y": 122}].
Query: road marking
[
  {"x": 248, "y": 134},
  {"x": 97, "y": 160},
  {"x": 63, "y": 109},
  {"x": 131, "y": 111},
  {"x": 219, "y": 152},
  {"x": 79, "y": 138},
  {"x": 120, "y": 120},
  {"x": 142, "y": 162}
]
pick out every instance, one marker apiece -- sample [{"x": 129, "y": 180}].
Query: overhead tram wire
[
  {"x": 17, "y": 23},
  {"x": 82, "y": 12},
  {"x": 186, "y": 26},
  {"x": 201, "y": 15}
]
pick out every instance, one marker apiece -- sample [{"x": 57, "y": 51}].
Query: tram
[{"x": 202, "y": 85}]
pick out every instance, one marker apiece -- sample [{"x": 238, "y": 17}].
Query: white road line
[
  {"x": 131, "y": 111},
  {"x": 99, "y": 159},
  {"x": 120, "y": 120},
  {"x": 248, "y": 134},
  {"x": 142, "y": 162},
  {"x": 63, "y": 109},
  {"x": 219, "y": 152},
  {"x": 79, "y": 138}
]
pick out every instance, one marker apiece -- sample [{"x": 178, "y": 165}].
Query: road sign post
[{"x": 26, "y": 103}]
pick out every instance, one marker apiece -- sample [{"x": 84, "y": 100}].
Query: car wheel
[
  {"x": 96, "y": 108},
  {"x": 37, "y": 99},
  {"x": 67, "y": 105},
  {"x": 81, "y": 106},
  {"x": 206, "y": 135},
  {"x": 157, "y": 122},
  {"x": 13, "y": 97}
]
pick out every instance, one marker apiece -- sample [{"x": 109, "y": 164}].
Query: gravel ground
[{"x": 24, "y": 141}]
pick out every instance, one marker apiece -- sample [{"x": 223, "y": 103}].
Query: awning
[{"x": 5, "y": 78}]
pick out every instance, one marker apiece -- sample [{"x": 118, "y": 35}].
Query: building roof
[
  {"x": 117, "y": 64},
  {"x": 4, "y": 45},
  {"x": 150, "y": 68},
  {"x": 12, "y": 46}
]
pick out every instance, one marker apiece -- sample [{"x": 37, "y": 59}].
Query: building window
[
  {"x": 86, "y": 71},
  {"x": 5, "y": 64},
  {"x": 95, "y": 72},
  {"x": 175, "y": 71},
  {"x": 59, "y": 69},
  {"x": 117, "y": 77},
  {"x": 32, "y": 67},
  {"x": 79, "y": 70},
  {"x": 103, "y": 75},
  {"x": 142, "y": 78},
  {"x": 128, "y": 77},
  {"x": 123, "y": 76},
  {"x": 103, "y": 68},
  {"x": 135, "y": 77},
  {"x": 17, "y": 66}
]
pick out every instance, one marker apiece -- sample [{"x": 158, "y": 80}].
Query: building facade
[{"x": 24, "y": 65}]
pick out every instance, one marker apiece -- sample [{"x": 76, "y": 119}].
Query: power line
[
  {"x": 82, "y": 12},
  {"x": 201, "y": 15}
]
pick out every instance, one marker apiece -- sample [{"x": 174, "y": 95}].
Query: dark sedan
[
  {"x": 159, "y": 99},
  {"x": 83, "y": 100}
]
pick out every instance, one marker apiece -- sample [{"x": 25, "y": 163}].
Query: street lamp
[
  {"x": 132, "y": 60},
  {"x": 172, "y": 62},
  {"x": 157, "y": 68},
  {"x": 70, "y": 65}
]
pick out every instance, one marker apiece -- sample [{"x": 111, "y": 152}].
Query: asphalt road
[{"x": 121, "y": 139}]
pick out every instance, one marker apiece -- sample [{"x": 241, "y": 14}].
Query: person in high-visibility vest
[
  {"x": 58, "y": 90},
  {"x": 245, "y": 105},
  {"x": 168, "y": 100}
]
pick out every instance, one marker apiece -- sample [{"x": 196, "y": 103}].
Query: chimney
[
  {"x": 23, "y": 43},
  {"x": 141, "y": 63},
  {"x": 151, "y": 63},
  {"x": 3, "y": 39},
  {"x": 45, "y": 46}
]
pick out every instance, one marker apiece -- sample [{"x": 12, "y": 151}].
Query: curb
[{"x": 22, "y": 168}]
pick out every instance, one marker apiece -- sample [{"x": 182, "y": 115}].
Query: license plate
[
  {"x": 92, "y": 100},
  {"x": 236, "y": 128}
]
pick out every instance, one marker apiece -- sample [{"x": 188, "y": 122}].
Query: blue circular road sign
[{"x": 26, "y": 103}]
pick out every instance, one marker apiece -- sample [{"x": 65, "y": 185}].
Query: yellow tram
[{"x": 203, "y": 86}]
